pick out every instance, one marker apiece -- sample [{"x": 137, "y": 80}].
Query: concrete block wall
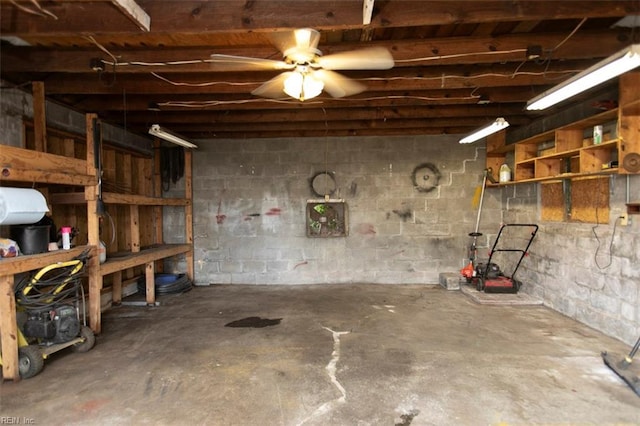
[
  {"x": 589, "y": 272},
  {"x": 250, "y": 199}
]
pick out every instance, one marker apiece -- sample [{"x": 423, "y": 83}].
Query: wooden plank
[
  {"x": 134, "y": 12},
  {"x": 197, "y": 17},
  {"x": 113, "y": 198},
  {"x": 157, "y": 191},
  {"x": 134, "y": 227},
  {"x": 150, "y": 283},
  {"x": 93, "y": 227},
  {"x": 8, "y": 329},
  {"x": 16, "y": 265},
  {"x": 116, "y": 288},
  {"x": 39, "y": 116},
  {"x": 188, "y": 212},
  {"x": 95, "y": 289},
  {"x": 67, "y": 198},
  {"x": 27, "y": 161},
  {"x": 144, "y": 256},
  {"x": 61, "y": 178},
  {"x": 552, "y": 206},
  {"x": 590, "y": 200}
]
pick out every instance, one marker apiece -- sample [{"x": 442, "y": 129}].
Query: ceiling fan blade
[
  {"x": 338, "y": 85},
  {"x": 247, "y": 63},
  {"x": 373, "y": 58},
  {"x": 273, "y": 88},
  {"x": 305, "y": 39}
]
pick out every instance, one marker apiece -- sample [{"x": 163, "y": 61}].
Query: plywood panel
[
  {"x": 590, "y": 200},
  {"x": 552, "y": 200}
]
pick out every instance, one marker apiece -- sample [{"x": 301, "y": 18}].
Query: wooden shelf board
[
  {"x": 558, "y": 177},
  {"x": 16, "y": 265},
  {"x": 571, "y": 176},
  {"x": 605, "y": 144},
  {"x": 115, "y": 264},
  {"x": 600, "y": 118},
  {"x": 631, "y": 108},
  {"x": 114, "y": 198}
]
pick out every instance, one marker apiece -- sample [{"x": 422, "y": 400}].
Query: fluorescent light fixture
[
  {"x": 168, "y": 136},
  {"x": 611, "y": 67},
  {"x": 302, "y": 85},
  {"x": 490, "y": 129}
]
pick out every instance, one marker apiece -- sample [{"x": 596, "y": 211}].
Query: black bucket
[{"x": 32, "y": 239}]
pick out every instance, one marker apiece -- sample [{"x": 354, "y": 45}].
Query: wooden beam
[
  {"x": 39, "y": 116},
  {"x": 93, "y": 227},
  {"x": 188, "y": 212},
  {"x": 367, "y": 11},
  {"x": 431, "y": 78},
  {"x": 8, "y": 329},
  {"x": 439, "y": 51},
  {"x": 134, "y": 12},
  {"x": 201, "y": 17}
]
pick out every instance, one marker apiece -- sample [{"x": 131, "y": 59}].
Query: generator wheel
[
  {"x": 89, "y": 340},
  {"x": 30, "y": 361},
  {"x": 480, "y": 284}
]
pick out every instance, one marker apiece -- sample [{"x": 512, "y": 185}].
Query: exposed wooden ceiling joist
[{"x": 457, "y": 63}]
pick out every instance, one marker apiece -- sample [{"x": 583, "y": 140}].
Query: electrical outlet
[{"x": 624, "y": 219}]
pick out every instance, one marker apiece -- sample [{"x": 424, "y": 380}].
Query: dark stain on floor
[
  {"x": 406, "y": 419},
  {"x": 253, "y": 322}
]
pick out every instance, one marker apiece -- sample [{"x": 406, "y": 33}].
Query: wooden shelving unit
[
  {"x": 138, "y": 218},
  {"x": 569, "y": 152},
  {"x": 27, "y": 166}
]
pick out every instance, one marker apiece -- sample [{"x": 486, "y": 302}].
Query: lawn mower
[
  {"x": 488, "y": 277},
  {"x": 49, "y": 315}
]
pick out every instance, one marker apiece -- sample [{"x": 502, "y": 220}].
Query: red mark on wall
[
  {"x": 220, "y": 217},
  {"x": 366, "y": 229},
  {"x": 275, "y": 211},
  {"x": 300, "y": 264}
]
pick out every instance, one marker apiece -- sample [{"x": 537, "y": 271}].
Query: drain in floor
[{"x": 254, "y": 322}]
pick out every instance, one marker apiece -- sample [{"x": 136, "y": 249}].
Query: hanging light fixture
[
  {"x": 168, "y": 136},
  {"x": 611, "y": 67},
  {"x": 490, "y": 129},
  {"x": 301, "y": 84}
]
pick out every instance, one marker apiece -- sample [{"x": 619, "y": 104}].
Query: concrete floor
[{"x": 341, "y": 355}]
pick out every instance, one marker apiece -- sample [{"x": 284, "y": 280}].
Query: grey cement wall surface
[
  {"x": 250, "y": 219},
  {"x": 397, "y": 233},
  {"x": 587, "y": 271}
]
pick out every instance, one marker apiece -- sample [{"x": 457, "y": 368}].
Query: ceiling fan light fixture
[
  {"x": 487, "y": 130},
  {"x": 302, "y": 85},
  {"x": 611, "y": 67},
  {"x": 162, "y": 133}
]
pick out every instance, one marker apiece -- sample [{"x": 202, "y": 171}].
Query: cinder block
[{"x": 450, "y": 280}]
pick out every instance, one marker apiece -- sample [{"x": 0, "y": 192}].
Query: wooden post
[
  {"x": 39, "y": 116},
  {"x": 8, "y": 329},
  {"x": 93, "y": 231},
  {"x": 150, "y": 281},
  {"x": 188, "y": 211},
  {"x": 157, "y": 192},
  {"x": 116, "y": 288},
  {"x": 134, "y": 230}
]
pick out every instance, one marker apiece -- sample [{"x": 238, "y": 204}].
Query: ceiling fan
[{"x": 307, "y": 72}]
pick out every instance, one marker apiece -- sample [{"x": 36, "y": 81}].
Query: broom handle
[
  {"x": 484, "y": 184},
  {"x": 634, "y": 350}
]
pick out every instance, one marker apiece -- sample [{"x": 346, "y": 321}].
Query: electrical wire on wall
[{"x": 595, "y": 234}]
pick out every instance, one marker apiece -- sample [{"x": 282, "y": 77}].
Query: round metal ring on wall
[
  {"x": 323, "y": 184},
  {"x": 425, "y": 177}
]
